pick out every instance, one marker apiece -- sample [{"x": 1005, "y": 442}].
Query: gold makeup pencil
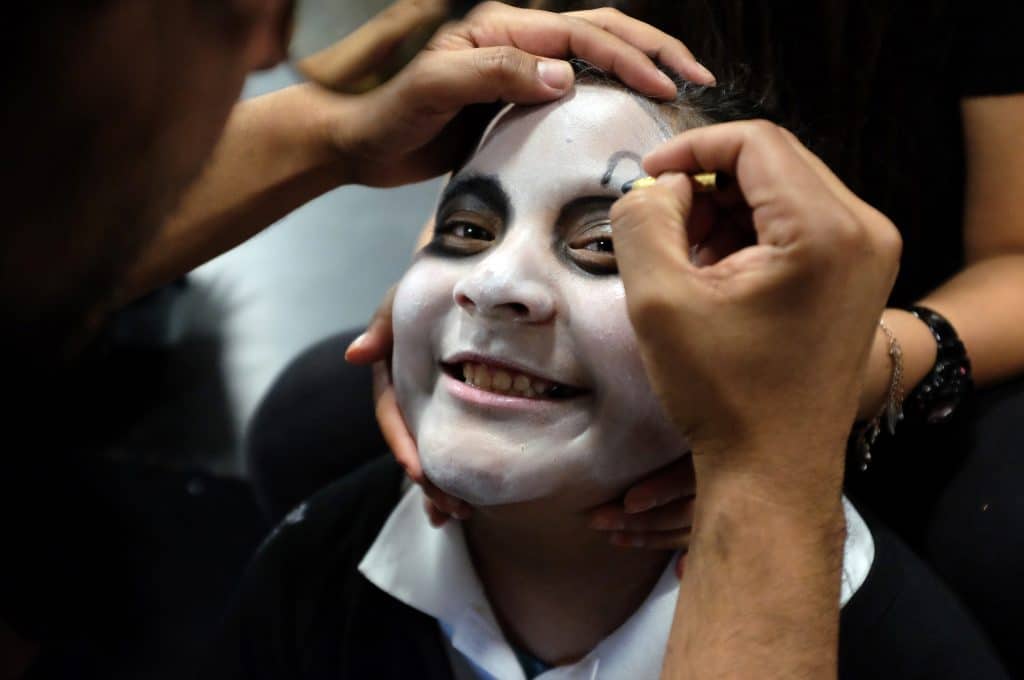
[{"x": 703, "y": 182}]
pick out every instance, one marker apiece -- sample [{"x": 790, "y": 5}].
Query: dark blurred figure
[
  {"x": 314, "y": 426},
  {"x": 111, "y": 109}
]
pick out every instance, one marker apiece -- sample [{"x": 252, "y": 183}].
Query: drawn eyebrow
[
  {"x": 484, "y": 188},
  {"x": 613, "y": 162}
]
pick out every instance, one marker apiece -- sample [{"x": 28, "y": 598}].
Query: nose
[{"x": 499, "y": 289}]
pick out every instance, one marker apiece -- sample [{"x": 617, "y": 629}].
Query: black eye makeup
[
  {"x": 475, "y": 211},
  {"x": 472, "y": 212},
  {"x": 587, "y": 235},
  {"x": 632, "y": 169},
  {"x": 464, "y": 232}
]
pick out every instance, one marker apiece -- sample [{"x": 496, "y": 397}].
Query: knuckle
[
  {"x": 681, "y": 46},
  {"x": 500, "y": 63},
  {"x": 609, "y": 13},
  {"x": 847, "y": 230},
  {"x": 762, "y": 127},
  {"x": 890, "y": 242},
  {"x": 762, "y": 132}
]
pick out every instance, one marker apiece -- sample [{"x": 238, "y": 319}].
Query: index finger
[
  {"x": 755, "y": 152},
  {"x": 655, "y": 43},
  {"x": 547, "y": 34}
]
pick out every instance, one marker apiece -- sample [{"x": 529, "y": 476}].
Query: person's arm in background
[
  {"x": 283, "y": 149},
  {"x": 758, "y": 356},
  {"x": 983, "y": 301}
]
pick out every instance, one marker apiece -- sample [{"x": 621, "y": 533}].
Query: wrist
[
  {"x": 308, "y": 118},
  {"x": 765, "y": 577},
  {"x": 918, "y": 348},
  {"x": 805, "y": 497}
]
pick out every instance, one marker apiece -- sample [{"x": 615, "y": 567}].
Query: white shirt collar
[{"x": 430, "y": 570}]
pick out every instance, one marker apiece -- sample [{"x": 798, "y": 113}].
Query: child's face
[{"x": 515, "y": 363}]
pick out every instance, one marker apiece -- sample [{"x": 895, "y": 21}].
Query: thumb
[
  {"x": 452, "y": 79},
  {"x": 651, "y": 244}
]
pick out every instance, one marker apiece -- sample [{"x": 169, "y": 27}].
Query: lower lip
[{"x": 474, "y": 395}]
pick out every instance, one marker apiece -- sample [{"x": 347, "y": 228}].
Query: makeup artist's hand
[
  {"x": 400, "y": 132},
  {"x": 762, "y": 346}
]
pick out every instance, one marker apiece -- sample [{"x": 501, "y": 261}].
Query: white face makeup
[{"x": 515, "y": 363}]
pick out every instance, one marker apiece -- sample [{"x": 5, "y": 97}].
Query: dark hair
[
  {"x": 811, "y": 67},
  {"x": 853, "y": 79}
]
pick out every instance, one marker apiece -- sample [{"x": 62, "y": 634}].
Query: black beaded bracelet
[{"x": 939, "y": 393}]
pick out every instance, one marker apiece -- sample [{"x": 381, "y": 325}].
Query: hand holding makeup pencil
[
  {"x": 755, "y": 309},
  {"x": 756, "y": 306}
]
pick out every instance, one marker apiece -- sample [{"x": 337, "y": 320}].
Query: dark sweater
[{"x": 305, "y": 610}]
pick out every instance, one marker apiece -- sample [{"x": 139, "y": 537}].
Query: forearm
[
  {"x": 983, "y": 304},
  {"x": 760, "y": 592},
  {"x": 272, "y": 158}
]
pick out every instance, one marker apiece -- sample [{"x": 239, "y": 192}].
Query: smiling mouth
[{"x": 508, "y": 382}]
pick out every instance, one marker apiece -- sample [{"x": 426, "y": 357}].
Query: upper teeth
[{"x": 506, "y": 382}]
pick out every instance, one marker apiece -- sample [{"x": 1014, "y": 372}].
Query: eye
[
  {"x": 601, "y": 245},
  {"x": 463, "y": 233},
  {"x": 592, "y": 248},
  {"x": 468, "y": 230}
]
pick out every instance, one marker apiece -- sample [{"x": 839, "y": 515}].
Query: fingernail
[
  {"x": 665, "y": 78},
  {"x": 555, "y": 74},
  {"x": 355, "y": 343}
]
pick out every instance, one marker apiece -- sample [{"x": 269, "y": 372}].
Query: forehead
[{"x": 571, "y": 139}]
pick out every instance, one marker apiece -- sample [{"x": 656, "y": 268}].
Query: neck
[{"x": 557, "y": 587}]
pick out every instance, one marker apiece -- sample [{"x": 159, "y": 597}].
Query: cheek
[
  {"x": 604, "y": 338},
  {"x": 631, "y": 428},
  {"x": 422, "y": 301}
]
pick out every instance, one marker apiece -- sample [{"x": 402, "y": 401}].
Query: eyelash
[
  {"x": 465, "y": 237},
  {"x": 473, "y": 239},
  {"x": 600, "y": 260}
]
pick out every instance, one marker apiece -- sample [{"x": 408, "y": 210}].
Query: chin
[{"x": 483, "y": 482}]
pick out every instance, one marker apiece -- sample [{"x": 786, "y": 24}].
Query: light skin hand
[
  {"x": 809, "y": 229},
  {"x": 284, "y": 149},
  {"x": 400, "y": 132},
  {"x": 758, "y": 352}
]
